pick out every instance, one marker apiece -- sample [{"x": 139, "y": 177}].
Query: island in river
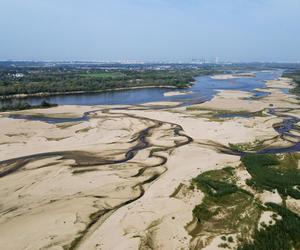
[{"x": 167, "y": 174}]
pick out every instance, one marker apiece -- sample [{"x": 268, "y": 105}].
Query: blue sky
[{"x": 235, "y": 30}]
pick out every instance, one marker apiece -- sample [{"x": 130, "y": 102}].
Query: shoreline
[{"x": 47, "y": 94}]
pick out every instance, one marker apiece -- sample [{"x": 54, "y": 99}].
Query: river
[{"x": 203, "y": 89}]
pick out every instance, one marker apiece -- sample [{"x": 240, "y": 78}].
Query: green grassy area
[
  {"x": 283, "y": 235},
  {"x": 233, "y": 212},
  {"x": 295, "y": 75},
  {"x": 221, "y": 115},
  {"x": 216, "y": 183},
  {"x": 227, "y": 209},
  {"x": 104, "y": 75},
  {"x": 247, "y": 147},
  {"x": 273, "y": 172}
]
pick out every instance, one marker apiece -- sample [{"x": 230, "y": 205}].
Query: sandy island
[
  {"x": 233, "y": 76},
  {"x": 120, "y": 180},
  {"x": 176, "y": 93}
]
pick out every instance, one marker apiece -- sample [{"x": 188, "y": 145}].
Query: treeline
[
  {"x": 268, "y": 172},
  {"x": 35, "y": 81},
  {"x": 24, "y": 105},
  {"x": 295, "y": 75},
  {"x": 283, "y": 235}
]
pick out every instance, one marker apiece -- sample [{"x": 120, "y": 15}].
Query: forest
[
  {"x": 295, "y": 75},
  {"x": 51, "y": 80}
]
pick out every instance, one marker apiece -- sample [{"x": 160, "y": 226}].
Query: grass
[
  {"x": 104, "y": 75},
  {"x": 216, "y": 183},
  {"x": 226, "y": 209},
  {"x": 247, "y": 147},
  {"x": 231, "y": 213},
  {"x": 221, "y": 115},
  {"x": 283, "y": 235},
  {"x": 273, "y": 172}
]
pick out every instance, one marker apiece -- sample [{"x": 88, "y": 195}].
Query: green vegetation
[
  {"x": 247, "y": 147},
  {"x": 295, "y": 75},
  {"x": 230, "y": 239},
  {"x": 83, "y": 171},
  {"x": 220, "y": 115},
  {"x": 115, "y": 75},
  {"x": 57, "y": 80},
  {"x": 24, "y": 105},
  {"x": 226, "y": 209},
  {"x": 216, "y": 183},
  {"x": 283, "y": 235},
  {"x": 273, "y": 172}
]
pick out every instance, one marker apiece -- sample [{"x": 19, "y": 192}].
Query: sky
[{"x": 150, "y": 30}]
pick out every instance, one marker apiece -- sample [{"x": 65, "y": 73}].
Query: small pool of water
[
  {"x": 232, "y": 115},
  {"x": 51, "y": 120}
]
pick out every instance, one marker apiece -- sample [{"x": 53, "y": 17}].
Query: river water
[{"x": 203, "y": 89}]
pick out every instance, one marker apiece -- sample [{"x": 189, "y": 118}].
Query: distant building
[{"x": 18, "y": 75}]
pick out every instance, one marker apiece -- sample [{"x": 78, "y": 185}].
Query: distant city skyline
[
  {"x": 154, "y": 30},
  {"x": 188, "y": 61}
]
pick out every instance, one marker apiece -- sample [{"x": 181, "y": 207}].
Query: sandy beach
[
  {"x": 121, "y": 178},
  {"x": 175, "y": 93}
]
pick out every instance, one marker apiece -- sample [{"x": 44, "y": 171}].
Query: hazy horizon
[{"x": 154, "y": 30}]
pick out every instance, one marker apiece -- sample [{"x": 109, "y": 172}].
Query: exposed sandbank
[
  {"x": 176, "y": 93},
  {"x": 73, "y": 188},
  {"x": 233, "y": 76}
]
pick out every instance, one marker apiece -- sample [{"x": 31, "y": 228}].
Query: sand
[
  {"x": 232, "y": 100},
  {"x": 176, "y": 93},
  {"x": 75, "y": 186},
  {"x": 233, "y": 76}
]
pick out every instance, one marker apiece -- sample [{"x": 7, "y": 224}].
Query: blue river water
[{"x": 203, "y": 89}]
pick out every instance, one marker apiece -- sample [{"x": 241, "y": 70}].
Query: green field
[
  {"x": 271, "y": 172},
  {"x": 228, "y": 209},
  {"x": 104, "y": 75}
]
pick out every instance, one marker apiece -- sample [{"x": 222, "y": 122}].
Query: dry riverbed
[{"x": 122, "y": 178}]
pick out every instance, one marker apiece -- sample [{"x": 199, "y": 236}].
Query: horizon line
[{"x": 192, "y": 61}]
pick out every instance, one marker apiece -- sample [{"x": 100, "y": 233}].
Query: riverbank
[
  {"x": 202, "y": 89},
  {"x": 43, "y": 81},
  {"x": 48, "y": 94},
  {"x": 50, "y": 172}
]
